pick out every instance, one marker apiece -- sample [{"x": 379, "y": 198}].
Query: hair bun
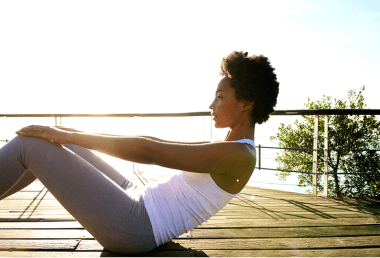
[{"x": 245, "y": 54}]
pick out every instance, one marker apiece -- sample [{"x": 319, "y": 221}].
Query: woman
[{"x": 123, "y": 217}]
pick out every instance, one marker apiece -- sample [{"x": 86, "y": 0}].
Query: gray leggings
[{"x": 103, "y": 201}]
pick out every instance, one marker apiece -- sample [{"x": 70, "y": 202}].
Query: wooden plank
[
  {"x": 40, "y": 212},
  {"x": 27, "y": 202},
  {"x": 22, "y": 207},
  {"x": 370, "y": 230},
  {"x": 364, "y": 252},
  {"x": 290, "y": 209},
  {"x": 276, "y": 244},
  {"x": 38, "y": 219},
  {"x": 250, "y": 210},
  {"x": 341, "y": 252},
  {"x": 29, "y": 198},
  {"x": 51, "y": 234},
  {"x": 293, "y": 203},
  {"x": 154, "y": 253},
  {"x": 289, "y": 216},
  {"x": 39, "y": 254},
  {"x": 226, "y": 213},
  {"x": 348, "y": 252},
  {"x": 327, "y": 214},
  {"x": 45, "y": 234},
  {"x": 274, "y": 207},
  {"x": 40, "y": 225},
  {"x": 62, "y": 245},
  {"x": 256, "y": 244},
  {"x": 286, "y": 204},
  {"x": 56, "y": 206},
  {"x": 13, "y": 217},
  {"x": 13, "y": 213},
  {"x": 211, "y": 223},
  {"x": 104, "y": 253}
]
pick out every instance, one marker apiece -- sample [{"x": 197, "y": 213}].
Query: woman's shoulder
[{"x": 248, "y": 141}]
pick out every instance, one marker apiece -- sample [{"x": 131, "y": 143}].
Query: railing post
[
  {"x": 326, "y": 156},
  {"x": 315, "y": 155},
  {"x": 211, "y": 129},
  {"x": 134, "y": 125},
  {"x": 204, "y": 129},
  {"x": 135, "y": 165},
  {"x": 259, "y": 156},
  {"x": 56, "y": 121}
]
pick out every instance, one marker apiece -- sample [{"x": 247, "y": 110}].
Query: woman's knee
[{"x": 27, "y": 141}]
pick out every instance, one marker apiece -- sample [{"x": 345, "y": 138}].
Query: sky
[{"x": 164, "y": 56}]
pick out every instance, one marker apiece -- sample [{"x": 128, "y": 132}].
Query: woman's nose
[{"x": 212, "y": 105}]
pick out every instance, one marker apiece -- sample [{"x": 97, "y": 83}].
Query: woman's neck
[{"x": 245, "y": 132}]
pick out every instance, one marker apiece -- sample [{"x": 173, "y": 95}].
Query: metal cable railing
[{"x": 305, "y": 149}]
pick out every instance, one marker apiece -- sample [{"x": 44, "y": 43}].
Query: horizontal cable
[
  {"x": 285, "y": 148},
  {"x": 354, "y": 149},
  {"x": 343, "y": 173},
  {"x": 292, "y": 171},
  {"x": 271, "y": 183},
  {"x": 301, "y": 172}
]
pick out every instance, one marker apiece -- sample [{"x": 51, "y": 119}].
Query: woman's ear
[{"x": 247, "y": 105}]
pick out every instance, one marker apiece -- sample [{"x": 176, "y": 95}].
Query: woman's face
[{"x": 226, "y": 109}]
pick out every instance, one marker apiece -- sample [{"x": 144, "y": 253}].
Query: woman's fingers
[
  {"x": 34, "y": 130},
  {"x": 31, "y": 128},
  {"x": 46, "y": 132}
]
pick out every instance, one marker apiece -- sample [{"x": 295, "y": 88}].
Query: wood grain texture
[{"x": 259, "y": 222}]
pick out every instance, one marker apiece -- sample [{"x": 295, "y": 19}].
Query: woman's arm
[
  {"x": 147, "y": 137},
  {"x": 166, "y": 141},
  {"x": 222, "y": 157},
  {"x": 111, "y": 145}
]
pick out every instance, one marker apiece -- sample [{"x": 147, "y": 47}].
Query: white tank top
[{"x": 183, "y": 202}]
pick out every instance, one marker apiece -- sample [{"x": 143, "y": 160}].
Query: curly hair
[{"x": 253, "y": 80}]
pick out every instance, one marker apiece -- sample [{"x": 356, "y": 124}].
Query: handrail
[
  {"x": 308, "y": 112},
  {"x": 208, "y": 113}
]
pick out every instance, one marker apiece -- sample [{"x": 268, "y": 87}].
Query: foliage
[{"x": 344, "y": 132}]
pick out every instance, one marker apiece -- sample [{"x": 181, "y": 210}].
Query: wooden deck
[{"x": 259, "y": 222}]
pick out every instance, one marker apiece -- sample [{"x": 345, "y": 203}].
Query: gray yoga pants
[{"x": 103, "y": 201}]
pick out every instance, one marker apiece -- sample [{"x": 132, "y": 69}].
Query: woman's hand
[{"x": 46, "y": 132}]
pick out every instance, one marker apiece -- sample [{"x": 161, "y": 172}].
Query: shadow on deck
[{"x": 259, "y": 222}]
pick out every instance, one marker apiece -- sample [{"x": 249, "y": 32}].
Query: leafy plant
[{"x": 347, "y": 134}]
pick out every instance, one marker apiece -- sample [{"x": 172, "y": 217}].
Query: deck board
[{"x": 258, "y": 222}]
